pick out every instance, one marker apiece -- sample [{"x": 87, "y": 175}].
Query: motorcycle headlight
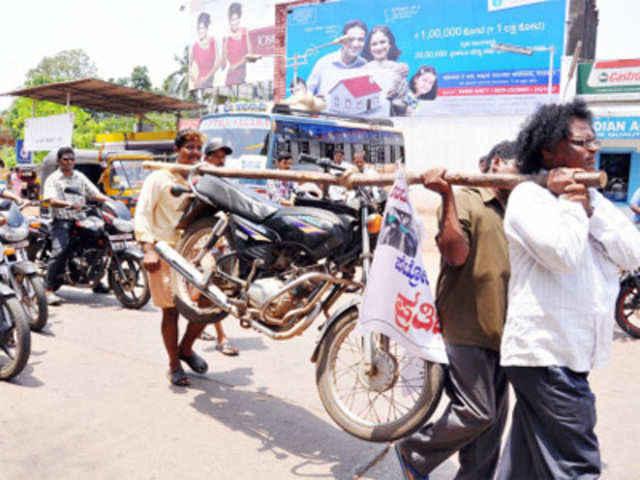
[{"x": 125, "y": 226}]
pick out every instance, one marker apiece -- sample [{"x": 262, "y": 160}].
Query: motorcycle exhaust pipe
[{"x": 191, "y": 273}]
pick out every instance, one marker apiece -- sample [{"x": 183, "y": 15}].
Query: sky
[{"x": 120, "y": 34}]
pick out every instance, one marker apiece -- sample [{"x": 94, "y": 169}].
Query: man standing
[
  {"x": 566, "y": 245},
  {"x": 634, "y": 205},
  {"x": 471, "y": 298},
  {"x": 337, "y": 192},
  {"x": 215, "y": 153},
  {"x": 335, "y": 66},
  {"x": 156, "y": 218},
  {"x": 66, "y": 208},
  {"x": 281, "y": 191}
]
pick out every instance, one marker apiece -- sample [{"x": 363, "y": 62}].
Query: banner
[
  {"x": 609, "y": 77},
  {"x": 222, "y": 33},
  {"x": 427, "y": 58},
  {"x": 397, "y": 301},
  {"x": 48, "y": 133},
  {"x": 22, "y": 156}
]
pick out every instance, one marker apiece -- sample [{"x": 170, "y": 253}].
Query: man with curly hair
[{"x": 566, "y": 245}]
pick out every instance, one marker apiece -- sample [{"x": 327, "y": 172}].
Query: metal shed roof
[{"x": 98, "y": 95}]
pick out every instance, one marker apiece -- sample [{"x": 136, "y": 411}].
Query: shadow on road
[
  {"x": 620, "y": 335},
  {"x": 26, "y": 378},
  {"x": 283, "y": 429}
]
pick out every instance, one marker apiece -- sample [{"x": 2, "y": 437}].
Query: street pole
[{"x": 550, "y": 85}]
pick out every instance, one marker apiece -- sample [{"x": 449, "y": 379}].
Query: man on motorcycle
[
  {"x": 157, "y": 214},
  {"x": 66, "y": 208}
]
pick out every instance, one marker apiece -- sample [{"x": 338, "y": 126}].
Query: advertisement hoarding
[
  {"x": 428, "y": 58},
  {"x": 222, "y": 33},
  {"x": 48, "y": 133},
  {"x": 609, "y": 77}
]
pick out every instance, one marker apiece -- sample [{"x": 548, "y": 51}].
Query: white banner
[
  {"x": 48, "y": 133},
  {"x": 397, "y": 301}
]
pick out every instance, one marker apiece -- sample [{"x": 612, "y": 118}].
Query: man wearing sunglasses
[
  {"x": 566, "y": 245},
  {"x": 66, "y": 208}
]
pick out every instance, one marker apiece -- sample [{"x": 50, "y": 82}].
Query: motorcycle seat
[{"x": 235, "y": 198}]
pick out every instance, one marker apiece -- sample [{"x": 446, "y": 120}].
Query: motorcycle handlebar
[
  {"x": 325, "y": 163},
  {"x": 177, "y": 190}
]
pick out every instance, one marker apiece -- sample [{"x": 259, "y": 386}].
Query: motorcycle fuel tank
[{"x": 323, "y": 233}]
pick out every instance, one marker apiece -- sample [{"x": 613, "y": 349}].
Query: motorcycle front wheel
[
  {"x": 15, "y": 338},
  {"x": 34, "y": 301},
  {"x": 397, "y": 399},
  {"x": 132, "y": 291},
  {"x": 189, "y": 302},
  {"x": 628, "y": 309}
]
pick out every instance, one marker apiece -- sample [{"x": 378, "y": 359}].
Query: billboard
[
  {"x": 427, "y": 58},
  {"x": 222, "y": 34},
  {"x": 48, "y": 133},
  {"x": 609, "y": 77}
]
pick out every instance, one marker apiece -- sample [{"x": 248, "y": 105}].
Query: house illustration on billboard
[{"x": 355, "y": 96}]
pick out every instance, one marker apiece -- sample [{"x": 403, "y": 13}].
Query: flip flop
[
  {"x": 408, "y": 472},
  {"x": 196, "y": 363},
  {"x": 178, "y": 377},
  {"x": 206, "y": 337},
  {"x": 227, "y": 348}
]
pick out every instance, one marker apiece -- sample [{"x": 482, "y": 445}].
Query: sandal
[
  {"x": 227, "y": 348},
  {"x": 178, "y": 377},
  {"x": 408, "y": 472},
  {"x": 196, "y": 363},
  {"x": 207, "y": 337}
]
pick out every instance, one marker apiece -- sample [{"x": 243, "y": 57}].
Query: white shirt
[
  {"x": 55, "y": 185},
  {"x": 564, "y": 278}
]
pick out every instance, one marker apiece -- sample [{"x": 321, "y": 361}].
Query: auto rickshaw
[{"x": 30, "y": 181}]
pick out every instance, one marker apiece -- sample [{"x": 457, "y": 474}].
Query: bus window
[{"x": 303, "y": 147}]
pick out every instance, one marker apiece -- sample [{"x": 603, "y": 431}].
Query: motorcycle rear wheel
[
  {"x": 628, "y": 309},
  {"x": 379, "y": 408},
  {"x": 193, "y": 240},
  {"x": 133, "y": 291},
  {"x": 34, "y": 301},
  {"x": 15, "y": 344}
]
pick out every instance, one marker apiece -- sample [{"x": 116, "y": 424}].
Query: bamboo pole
[{"x": 351, "y": 179}]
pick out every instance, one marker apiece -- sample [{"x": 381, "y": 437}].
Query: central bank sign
[{"x": 609, "y": 77}]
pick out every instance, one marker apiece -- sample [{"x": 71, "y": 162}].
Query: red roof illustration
[{"x": 359, "y": 86}]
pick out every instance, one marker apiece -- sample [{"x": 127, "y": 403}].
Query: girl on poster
[
  {"x": 382, "y": 54},
  {"x": 235, "y": 48},
  {"x": 203, "y": 64}
]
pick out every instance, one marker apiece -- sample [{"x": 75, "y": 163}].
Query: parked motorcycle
[
  {"x": 15, "y": 335},
  {"x": 18, "y": 272},
  {"x": 100, "y": 243},
  {"x": 276, "y": 269},
  {"x": 628, "y": 303}
]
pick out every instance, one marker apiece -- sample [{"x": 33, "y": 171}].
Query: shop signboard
[
  {"x": 48, "y": 133},
  {"x": 221, "y": 35},
  {"x": 609, "y": 77},
  {"x": 613, "y": 128},
  {"x": 22, "y": 156},
  {"x": 427, "y": 58}
]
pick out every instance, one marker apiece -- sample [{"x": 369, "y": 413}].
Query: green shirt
[{"x": 472, "y": 299}]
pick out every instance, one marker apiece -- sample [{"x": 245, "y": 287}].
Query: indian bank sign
[{"x": 615, "y": 76}]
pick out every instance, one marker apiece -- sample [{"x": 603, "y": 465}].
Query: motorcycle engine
[
  {"x": 87, "y": 267},
  {"x": 262, "y": 289}
]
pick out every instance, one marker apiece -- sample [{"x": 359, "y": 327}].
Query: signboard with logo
[
  {"x": 22, "y": 156},
  {"x": 609, "y": 77},
  {"x": 380, "y": 58},
  {"x": 222, "y": 34},
  {"x": 48, "y": 133}
]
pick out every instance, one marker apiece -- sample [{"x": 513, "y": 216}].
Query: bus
[{"x": 257, "y": 139}]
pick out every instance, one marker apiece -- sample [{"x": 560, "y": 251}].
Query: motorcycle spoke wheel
[
  {"x": 397, "y": 398},
  {"x": 34, "y": 302},
  {"x": 132, "y": 288},
  {"x": 15, "y": 342},
  {"x": 628, "y": 310}
]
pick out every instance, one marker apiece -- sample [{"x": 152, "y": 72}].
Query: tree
[
  {"x": 177, "y": 83},
  {"x": 65, "y": 65},
  {"x": 140, "y": 78}
]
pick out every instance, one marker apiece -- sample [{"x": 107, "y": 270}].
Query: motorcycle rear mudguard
[
  {"x": 24, "y": 267},
  {"x": 6, "y": 291},
  {"x": 329, "y": 324},
  {"x": 135, "y": 252}
]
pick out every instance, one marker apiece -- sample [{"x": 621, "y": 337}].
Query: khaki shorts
[{"x": 160, "y": 286}]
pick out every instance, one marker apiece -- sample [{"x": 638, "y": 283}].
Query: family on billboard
[{"x": 365, "y": 77}]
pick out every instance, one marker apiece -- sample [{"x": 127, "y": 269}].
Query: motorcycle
[
  {"x": 15, "y": 335},
  {"x": 276, "y": 269},
  {"x": 100, "y": 243},
  {"x": 628, "y": 303},
  {"x": 17, "y": 271}
]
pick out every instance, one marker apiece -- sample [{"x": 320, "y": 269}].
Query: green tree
[
  {"x": 140, "y": 78},
  {"x": 65, "y": 65},
  {"x": 177, "y": 83}
]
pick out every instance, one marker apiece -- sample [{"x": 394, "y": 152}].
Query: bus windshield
[{"x": 247, "y": 135}]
